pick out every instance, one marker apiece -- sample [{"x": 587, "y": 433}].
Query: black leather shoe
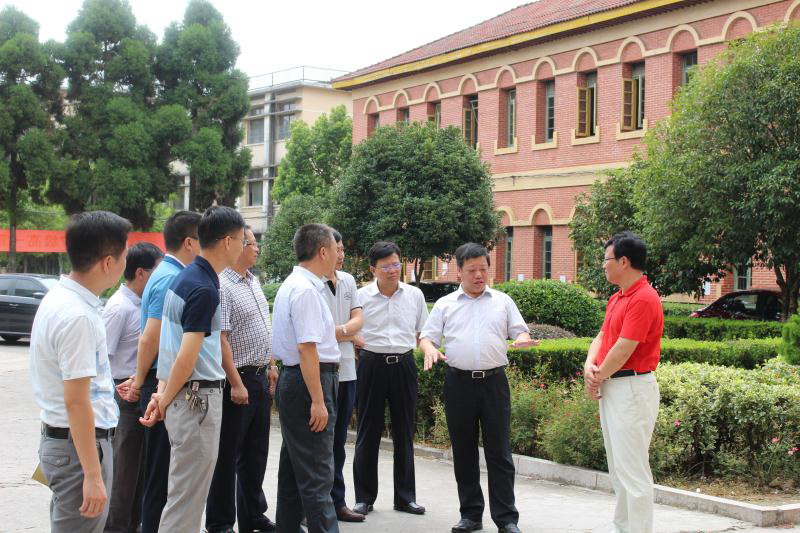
[
  {"x": 509, "y": 528},
  {"x": 263, "y": 524},
  {"x": 344, "y": 514},
  {"x": 467, "y": 525},
  {"x": 410, "y": 507},
  {"x": 362, "y": 508}
]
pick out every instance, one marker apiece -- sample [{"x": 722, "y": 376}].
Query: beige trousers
[{"x": 628, "y": 411}]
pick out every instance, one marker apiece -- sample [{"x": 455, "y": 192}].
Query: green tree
[
  {"x": 720, "y": 184},
  {"x": 316, "y": 156},
  {"x": 419, "y": 186},
  {"x": 277, "y": 254},
  {"x": 30, "y": 80},
  {"x": 195, "y": 70},
  {"x": 605, "y": 209},
  {"x": 118, "y": 144}
]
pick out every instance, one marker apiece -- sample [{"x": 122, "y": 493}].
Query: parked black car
[
  {"x": 433, "y": 290},
  {"x": 20, "y": 295},
  {"x": 757, "y": 304}
]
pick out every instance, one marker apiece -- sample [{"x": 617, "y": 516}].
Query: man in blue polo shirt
[
  {"x": 190, "y": 364},
  {"x": 180, "y": 239}
]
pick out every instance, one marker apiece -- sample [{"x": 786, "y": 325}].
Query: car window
[
  {"x": 26, "y": 288},
  {"x": 746, "y": 304},
  {"x": 772, "y": 306},
  {"x": 5, "y": 286}
]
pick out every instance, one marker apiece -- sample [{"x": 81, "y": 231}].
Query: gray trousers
[
  {"x": 305, "y": 473},
  {"x": 125, "y": 501},
  {"x": 63, "y": 471},
  {"x": 194, "y": 442}
]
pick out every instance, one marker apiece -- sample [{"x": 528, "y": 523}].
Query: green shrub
[
  {"x": 546, "y": 331},
  {"x": 553, "y": 302},
  {"x": 571, "y": 434},
  {"x": 790, "y": 347},
  {"x": 717, "y": 329},
  {"x": 270, "y": 290},
  {"x": 679, "y": 309}
]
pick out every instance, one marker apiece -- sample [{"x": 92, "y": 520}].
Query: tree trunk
[
  {"x": 12, "y": 227},
  {"x": 790, "y": 285},
  {"x": 419, "y": 266}
]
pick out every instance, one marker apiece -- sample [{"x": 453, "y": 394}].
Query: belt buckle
[
  {"x": 478, "y": 374},
  {"x": 392, "y": 359}
]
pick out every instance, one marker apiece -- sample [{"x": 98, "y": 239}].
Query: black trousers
[
  {"x": 485, "y": 404},
  {"x": 305, "y": 472},
  {"x": 236, "y": 488},
  {"x": 344, "y": 406},
  {"x": 156, "y": 463},
  {"x": 379, "y": 380},
  {"x": 125, "y": 498}
]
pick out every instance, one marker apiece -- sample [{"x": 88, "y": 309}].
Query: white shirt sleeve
[
  {"x": 357, "y": 299},
  {"x": 422, "y": 310},
  {"x": 306, "y": 316},
  {"x": 114, "y": 319},
  {"x": 516, "y": 324},
  {"x": 76, "y": 347},
  {"x": 434, "y": 325}
]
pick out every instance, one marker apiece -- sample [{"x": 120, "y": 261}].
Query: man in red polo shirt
[{"x": 619, "y": 372}]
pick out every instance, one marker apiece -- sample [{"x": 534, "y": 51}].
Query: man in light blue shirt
[
  {"x": 304, "y": 339},
  {"x": 190, "y": 369},
  {"x": 71, "y": 375}
]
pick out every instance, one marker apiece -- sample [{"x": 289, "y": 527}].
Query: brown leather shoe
[{"x": 344, "y": 514}]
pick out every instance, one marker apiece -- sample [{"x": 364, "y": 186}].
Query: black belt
[
  {"x": 627, "y": 372},
  {"x": 63, "y": 433},
  {"x": 253, "y": 369},
  {"x": 323, "y": 367},
  {"x": 388, "y": 358},
  {"x": 206, "y": 384},
  {"x": 476, "y": 374}
]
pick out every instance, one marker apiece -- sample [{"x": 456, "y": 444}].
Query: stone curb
[{"x": 534, "y": 468}]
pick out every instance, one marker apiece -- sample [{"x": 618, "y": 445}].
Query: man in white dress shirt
[
  {"x": 474, "y": 324},
  {"x": 122, "y": 317},
  {"x": 304, "y": 339},
  {"x": 71, "y": 376},
  {"x": 394, "y": 314}
]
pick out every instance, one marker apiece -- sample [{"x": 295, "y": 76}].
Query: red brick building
[{"x": 553, "y": 94}]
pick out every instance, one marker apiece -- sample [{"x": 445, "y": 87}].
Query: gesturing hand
[{"x": 431, "y": 356}]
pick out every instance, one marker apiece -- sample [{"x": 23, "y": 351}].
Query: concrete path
[{"x": 544, "y": 506}]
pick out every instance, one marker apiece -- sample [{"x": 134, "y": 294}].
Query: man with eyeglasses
[
  {"x": 236, "y": 488},
  {"x": 394, "y": 314},
  {"x": 122, "y": 318},
  {"x": 620, "y": 373}
]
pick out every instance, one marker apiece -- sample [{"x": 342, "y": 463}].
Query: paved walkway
[{"x": 544, "y": 506}]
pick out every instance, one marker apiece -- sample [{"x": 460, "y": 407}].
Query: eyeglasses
[
  {"x": 247, "y": 243},
  {"x": 607, "y": 259},
  {"x": 390, "y": 267}
]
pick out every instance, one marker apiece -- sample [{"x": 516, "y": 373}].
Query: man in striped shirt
[{"x": 236, "y": 488}]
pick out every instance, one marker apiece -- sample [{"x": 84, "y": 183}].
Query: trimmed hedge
[
  {"x": 270, "y": 290},
  {"x": 679, "y": 309},
  {"x": 714, "y": 422},
  {"x": 718, "y": 329},
  {"x": 790, "y": 348},
  {"x": 556, "y": 303},
  {"x": 558, "y": 360}
]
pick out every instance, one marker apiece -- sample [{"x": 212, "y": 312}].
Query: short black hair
[
  {"x": 336, "y": 236},
  {"x": 309, "y": 239},
  {"x": 93, "y": 235},
  {"x": 218, "y": 222},
  {"x": 471, "y": 250},
  {"x": 382, "y": 249},
  {"x": 628, "y": 244},
  {"x": 179, "y": 226},
  {"x": 141, "y": 255}
]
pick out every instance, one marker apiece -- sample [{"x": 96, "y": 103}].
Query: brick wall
[{"x": 663, "y": 75}]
